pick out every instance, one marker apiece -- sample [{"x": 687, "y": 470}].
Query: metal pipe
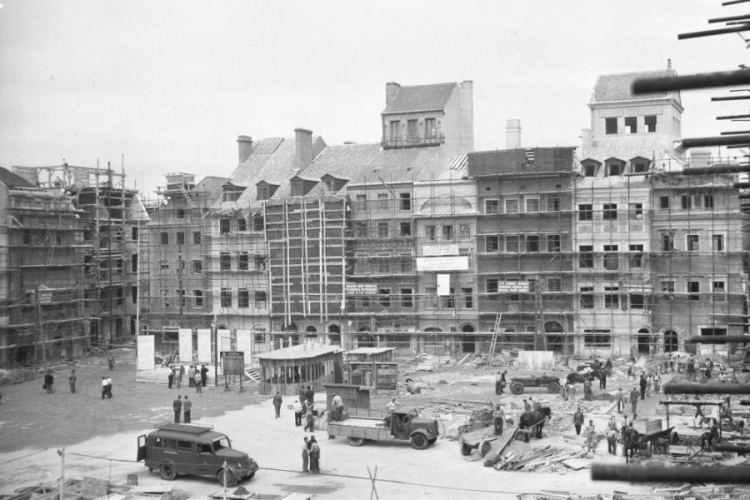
[
  {"x": 718, "y": 339},
  {"x": 736, "y": 132},
  {"x": 731, "y": 98},
  {"x": 720, "y": 31},
  {"x": 710, "y": 388},
  {"x": 731, "y": 117},
  {"x": 745, "y": 402},
  {"x": 688, "y": 82},
  {"x": 716, "y": 169},
  {"x": 730, "y": 18},
  {"x": 641, "y": 474},
  {"x": 703, "y": 142},
  {"x": 733, "y": 2}
]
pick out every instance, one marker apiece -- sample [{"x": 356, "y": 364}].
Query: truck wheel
[
  {"x": 419, "y": 442},
  {"x": 168, "y": 472},
  {"x": 516, "y": 388},
  {"x": 484, "y": 448},
  {"x": 355, "y": 441},
  {"x": 250, "y": 476},
  {"x": 553, "y": 388},
  {"x": 466, "y": 449},
  {"x": 230, "y": 479}
]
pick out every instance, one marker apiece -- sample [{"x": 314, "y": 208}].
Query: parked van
[{"x": 185, "y": 449}]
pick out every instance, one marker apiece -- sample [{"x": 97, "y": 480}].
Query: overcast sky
[{"x": 170, "y": 84}]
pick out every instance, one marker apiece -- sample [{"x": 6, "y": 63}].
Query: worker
[
  {"x": 337, "y": 408},
  {"x": 578, "y": 420},
  {"x": 499, "y": 418},
  {"x": 590, "y": 434},
  {"x": 526, "y": 406},
  {"x": 391, "y": 407}
]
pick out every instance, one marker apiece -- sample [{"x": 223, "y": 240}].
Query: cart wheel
[
  {"x": 516, "y": 388},
  {"x": 553, "y": 388},
  {"x": 355, "y": 441},
  {"x": 484, "y": 448}
]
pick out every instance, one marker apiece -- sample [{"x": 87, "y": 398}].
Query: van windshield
[{"x": 221, "y": 443}]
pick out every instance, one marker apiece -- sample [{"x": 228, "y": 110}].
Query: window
[
  {"x": 664, "y": 202},
  {"x": 448, "y": 233},
  {"x": 134, "y": 233},
  {"x": 197, "y": 266},
  {"x": 491, "y": 243},
  {"x": 667, "y": 290},
  {"x": 553, "y": 204},
  {"x": 610, "y": 125},
  {"x": 589, "y": 168},
  {"x": 405, "y": 201},
  {"x": 383, "y": 230},
  {"x": 382, "y": 201},
  {"x": 685, "y": 202},
  {"x": 614, "y": 168},
  {"x": 241, "y": 224},
  {"x": 262, "y": 192},
  {"x": 360, "y": 202},
  {"x": 134, "y": 262},
  {"x": 611, "y": 297},
  {"x": 468, "y": 297},
  {"x": 587, "y": 297},
  {"x": 694, "y": 290},
  {"x": 512, "y": 243},
  {"x": 637, "y": 301},
  {"x": 225, "y": 261},
  {"x": 532, "y": 205},
  {"x": 667, "y": 242},
  {"x": 224, "y": 225},
  {"x": 718, "y": 242},
  {"x": 693, "y": 242},
  {"x": 395, "y": 131},
  {"x": 429, "y": 128},
  {"x": 553, "y": 242},
  {"x": 260, "y": 300},
  {"x": 164, "y": 238},
  {"x": 586, "y": 256},
  {"x": 639, "y": 165},
  {"x": 407, "y": 297},
  {"x": 719, "y": 291},
  {"x": 554, "y": 284},
  {"x": 429, "y": 232},
  {"x": 244, "y": 261},
  {"x": 610, "y": 211},
  {"x": 298, "y": 188},
  {"x": 383, "y": 266},
  {"x": 384, "y": 297},
  {"x": 708, "y": 201},
  {"x": 198, "y": 298},
  {"x": 511, "y": 206},
  {"x": 411, "y": 131},
  {"x": 650, "y": 122},
  {"x": 184, "y": 445},
  {"x": 258, "y": 222},
  {"x": 165, "y": 299},
  {"x": 407, "y": 265},
  {"x": 163, "y": 265},
  {"x": 196, "y": 237},
  {"x": 597, "y": 338},
  {"x": 243, "y": 297},
  {"x": 464, "y": 231},
  {"x": 491, "y": 287},
  {"x": 449, "y": 301},
  {"x": 226, "y": 297},
  {"x": 631, "y": 125},
  {"x": 491, "y": 206},
  {"x": 260, "y": 263},
  {"x": 180, "y": 238},
  {"x": 405, "y": 228},
  {"x": 360, "y": 229},
  {"x": 636, "y": 256},
  {"x": 635, "y": 211},
  {"x": 180, "y": 213},
  {"x": 611, "y": 259},
  {"x": 532, "y": 243},
  {"x": 585, "y": 212}
]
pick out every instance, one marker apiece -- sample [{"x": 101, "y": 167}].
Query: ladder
[
  {"x": 495, "y": 332},
  {"x": 253, "y": 374},
  {"x": 187, "y": 196}
]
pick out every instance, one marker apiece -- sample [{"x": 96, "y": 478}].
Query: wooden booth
[
  {"x": 373, "y": 367},
  {"x": 354, "y": 397},
  {"x": 305, "y": 364}
]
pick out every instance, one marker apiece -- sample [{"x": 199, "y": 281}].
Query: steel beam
[
  {"x": 710, "y": 388},
  {"x": 730, "y": 18},
  {"x": 643, "y": 474},
  {"x": 688, "y": 82},
  {"x": 731, "y": 98},
  {"x": 719, "y": 31},
  {"x": 718, "y": 339}
]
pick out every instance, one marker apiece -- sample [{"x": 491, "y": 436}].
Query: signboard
[
  {"x": 513, "y": 286},
  {"x": 427, "y": 264},
  {"x": 361, "y": 288},
  {"x": 637, "y": 287},
  {"x": 436, "y": 250},
  {"x": 233, "y": 362}
]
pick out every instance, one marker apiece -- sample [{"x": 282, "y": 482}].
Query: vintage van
[{"x": 184, "y": 449}]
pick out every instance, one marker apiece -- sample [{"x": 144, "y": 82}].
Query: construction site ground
[{"x": 100, "y": 436}]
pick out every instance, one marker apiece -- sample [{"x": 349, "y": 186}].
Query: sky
[{"x": 168, "y": 85}]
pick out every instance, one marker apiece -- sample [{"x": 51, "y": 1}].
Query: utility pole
[
  {"x": 540, "y": 340},
  {"x": 40, "y": 329},
  {"x": 62, "y": 473}
]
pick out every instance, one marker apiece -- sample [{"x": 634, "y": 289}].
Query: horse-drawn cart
[{"x": 519, "y": 384}]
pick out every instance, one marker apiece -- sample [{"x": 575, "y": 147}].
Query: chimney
[
  {"x": 303, "y": 151},
  {"x": 700, "y": 158},
  {"x": 391, "y": 90},
  {"x": 513, "y": 134},
  {"x": 244, "y": 146}
]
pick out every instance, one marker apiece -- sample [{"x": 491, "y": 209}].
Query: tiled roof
[
  {"x": 618, "y": 87},
  {"x": 12, "y": 180},
  {"x": 521, "y": 161},
  {"x": 420, "y": 98},
  {"x": 246, "y": 171}
]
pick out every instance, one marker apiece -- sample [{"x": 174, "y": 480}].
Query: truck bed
[{"x": 362, "y": 428}]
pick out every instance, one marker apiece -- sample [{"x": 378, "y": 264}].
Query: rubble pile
[{"x": 543, "y": 459}]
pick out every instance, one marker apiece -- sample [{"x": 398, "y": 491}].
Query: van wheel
[
  {"x": 167, "y": 472},
  {"x": 355, "y": 441},
  {"x": 230, "y": 479}
]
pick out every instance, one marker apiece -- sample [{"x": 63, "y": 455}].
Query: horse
[{"x": 535, "y": 420}]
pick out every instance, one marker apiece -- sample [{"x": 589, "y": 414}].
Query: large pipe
[
  {"x": 731, "y": 98},
  {"x": 730, "y": 18},
  {"x": 641, "y": 474},
  {"x": 736, "y": 132},
  {"x": 688, "y": 82},
  {"x": 732, "y": 448},
  {"x": 718, "y": 339},
  {"x": 732, "y": 117},
  {"x": 716, "y": 169},
  {"x": 720, "y": 31},
  {"x": 704, "y": 142},
  {"x": 706, "y": 389}
]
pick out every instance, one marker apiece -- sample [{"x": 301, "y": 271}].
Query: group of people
[
  {"x": 184, "y": 408},
  {"x": 310, "y": 455},
  {"x": 196, "y": 377},
  {"x": 49, "y": 383},
  {"x": 107, "y": 387}
]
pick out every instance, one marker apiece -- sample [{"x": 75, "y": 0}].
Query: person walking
[
  {"x": 191, "y": 376},
  {"x": 498, "y": 415},
  {"x": 691, "y": 370},
  {"x": 526, "y": 406},
  {"x": 657, "y": 383},
  {"x": 634, "y": 401},
  {"x": 314, "y": 455},
  {"x": 603, "y": 379},
  {"x": 587, "y": 392},
  {"x": 626, "y": 438},
  {"x": 310, "y": 419},
  {"x": 108, "y": 387},
  {"x": 578, "y": 420},
  {"x": 180, "y": 374},
  {"x": 590, "y": 434},
  {"x": 104, "y": 387},
  {"x": 297, "y": 413},
  {"x": 309, "y": 395},
  {"x": 612, "y": 436},
  {"x": 187, "y": 407},
  {"x": 643, "y": 384},
  {"x": 72, "y": 381},
  {"x": 305, "y": 456},
  {"x": 198, "y": 382},
  {"x": 177, "y": 407},
  {"x": 170, "y": 378},
  {"x": 620, "y": 401},
  {"x": 204, "y": 375},
  {"x": 49, "y": 382},
  {"x": 277, "y": 403},
  {"x": 110, "y": 360}
]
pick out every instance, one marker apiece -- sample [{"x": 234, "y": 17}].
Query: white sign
[
  {"x": 436, "y": 250},
  {"x": 361, "y": 288},
  {"x": 204, "y": 345},
  {"x": 443, "y": 285},
  {"x": 637, "y": 287},
  {"x": 145, "y": 352},
  {"x": 186, "y": 345},
  {"x": 427, "y": 264},
  {"x": 513, "y": 286}
]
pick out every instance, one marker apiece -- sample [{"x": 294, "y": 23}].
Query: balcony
[{"x": 412, "y": 141}]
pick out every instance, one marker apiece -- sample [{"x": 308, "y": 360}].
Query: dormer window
[
  {"x": 590, "y": 167},
  {"x": 328, "y": 183},
  {"x": 395, "y": 137},
  {"x": 262, "y": 193},
  {"x": 430, "y": 129},
  {"x": 614, "y": 167},
  {"x": 639, "y": 165},
  {"x": 298, "y": 188},
  {"x": 265, "y": 190},
  {"x": 412, "y": 133}
]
